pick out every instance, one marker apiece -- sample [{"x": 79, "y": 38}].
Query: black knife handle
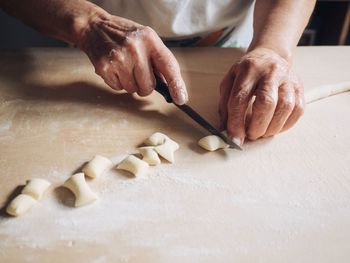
[{"x": 163, "y": 89}]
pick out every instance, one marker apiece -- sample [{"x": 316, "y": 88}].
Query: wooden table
[{"x": 285, "y": 199}]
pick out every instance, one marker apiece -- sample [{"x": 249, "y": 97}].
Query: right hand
[{"x": 127, "y": 55}]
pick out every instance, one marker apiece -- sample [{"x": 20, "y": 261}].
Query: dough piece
[
  {"x": 81, "y": 190},
  {"x": 36, "y": 187},
  {"x": 97, "y": 166},
  {"x": 167, "y": 150},
  {"x": 164, "y": 146},
  {"x": 21, "y": 204},
  {"x": 134, "y": 165},
  {"x": 212, "y": 143},
  {"x": 155, "y": 139},
  {"x": 149, "y": 155},
  {"x": 326, "y": 91}
]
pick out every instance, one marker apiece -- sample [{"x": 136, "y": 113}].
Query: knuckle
[
  {"x": 274, "y": 66},
  {"x": 299, "y": 109},
  {"x": 267, "y": 99},
  {"x": 241, "y": 96},
  {"x": 130, "y": 44},
  {"x": 120, "y": 59},
  {"x": 148, "y": 33},
  {"x": 116, "y": 57},
  {"x": 286, "y": 104},
  {"x": 151, "y": 38},
  {"x": 249, "y": 64},
  {"x": 268, "y": 82}
]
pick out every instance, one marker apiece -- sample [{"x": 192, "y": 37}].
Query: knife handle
[{"x": 163, "y": 89}]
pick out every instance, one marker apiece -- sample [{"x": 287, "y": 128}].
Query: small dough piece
[
  {"x": 36, "y": 187},
  {"x": 149, "y": 155},
  {"x": 134, "y": 165},
  {"x": 167, "y": 150},
  {"x": 81, "y": 190},
  {"x": 21, "y": 204},
  {"x": 212, "y": 143},
  {"x": 97, "y": 166},
  {"x": 155, "y": 139}
]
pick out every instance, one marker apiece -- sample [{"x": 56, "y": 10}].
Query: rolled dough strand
[
  {"x": 97, "y": 166},
  {"x": 326, "y": 91},
  {"x": 81, "y": 190},
  {"x": 36, "y": 187},
  {"x": 149, "y": 155},
  {"x": 134, "y": 165},
  {"x": 20, "y": 204}
]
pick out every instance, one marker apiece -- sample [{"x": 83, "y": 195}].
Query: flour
[
  {"x": 5, "y": 130},
  {"x": 5, "y": 126},
  {"x": 55, "y": 216},
  {"x": 122, "y": 201}
]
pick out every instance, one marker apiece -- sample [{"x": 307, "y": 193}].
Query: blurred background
[{"x": 329, "y": 25}]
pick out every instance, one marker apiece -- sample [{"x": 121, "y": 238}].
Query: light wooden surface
[{"x": 285, "y": 199}]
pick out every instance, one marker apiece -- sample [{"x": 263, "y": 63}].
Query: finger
[
  {"x": 144, "y": 77},
  {"x": 126, "y": 77},
  {"x": 248, "y": 115},
  {"x": 238, "y": 102},
  {"x": 298, "y": 110},
  {"x": 112, "y": 80},
  {"x": 158, "y": 74},
  {"x": 225, "y": 90},
  {"x": 284, "y": 108},
  {"x": 165, "y": 62},
  {"x": 106, "y": 71},
  {"x": 263, "y": 108}
]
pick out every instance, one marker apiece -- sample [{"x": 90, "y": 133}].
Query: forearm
[
  {"x": 278, "y": 24},
  {"x": 62, "y": 19}
]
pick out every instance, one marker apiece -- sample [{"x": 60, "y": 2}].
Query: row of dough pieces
[{"x": 157, "y": 145}]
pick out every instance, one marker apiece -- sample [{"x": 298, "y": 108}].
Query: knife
[{"x": 163, "y": 89}]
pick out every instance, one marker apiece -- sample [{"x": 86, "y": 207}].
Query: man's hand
[
  {"x": 127, "y": 55},
  {"x": 260, "y": 96}
]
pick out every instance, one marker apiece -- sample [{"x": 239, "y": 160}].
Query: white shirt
[{"x": 185, "y": 19}]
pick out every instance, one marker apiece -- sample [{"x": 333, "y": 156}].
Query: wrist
[
  {"x": 281, "y": 49},
  {"x": 81, "y": 23}
]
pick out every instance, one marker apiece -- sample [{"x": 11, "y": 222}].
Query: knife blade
[{"x": 163, "y": 89}]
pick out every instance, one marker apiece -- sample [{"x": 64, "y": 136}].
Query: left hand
[{"x": 279, "y": 96}]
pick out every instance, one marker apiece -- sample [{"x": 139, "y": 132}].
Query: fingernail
[
  {"x": 180, "y": 92},
  {"x": 182, "y": 96},
  {"x": 237, "y": 141}
]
